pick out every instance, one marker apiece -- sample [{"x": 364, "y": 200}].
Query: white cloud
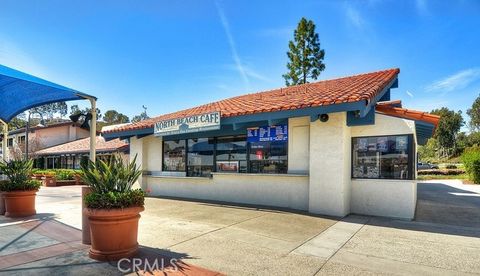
[
  {"x": 409, "y": 94},
  {"x": 354, "y": 17},
  {"x": 456, "y": 81},
  {"x": 421, "y": 6},
  {"x": 233, "y": 48}
]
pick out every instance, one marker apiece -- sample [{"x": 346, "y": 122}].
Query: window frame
[
  {"x": 184, "y": 157},
  {"x": 411, "y": 148},
  {"x": 214, "y": 169}
]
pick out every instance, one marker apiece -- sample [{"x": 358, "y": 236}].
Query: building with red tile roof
[
  {"x": 330, "y": 147},
  {"x": 68, "y": 155}
]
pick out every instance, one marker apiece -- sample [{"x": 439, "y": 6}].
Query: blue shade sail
[{"x": 20, "y": 91}]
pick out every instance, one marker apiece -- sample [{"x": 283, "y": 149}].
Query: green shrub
[
  {"x": 475, "y": 174},
  {"x": 441, "y": 172},
  {"x": 18, "y": 173},
  {"x": 115, "y": 200},
  {"x": 65, "y": 174},
  {"x": 471, "y": 161},
  {"x": 450, "y": 167},
  {"x": 111, "y": 184}
]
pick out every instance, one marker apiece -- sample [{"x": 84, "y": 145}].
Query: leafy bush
[
  {"x": 441, "y": 172},
  {"x": 475, "y": 174},
  {"x": 65, "y": 174},
  {"x": 115, "y": 200},
  {"x": 60, "y": 174},
  {"x": 111, "y": 184},
  {"x": 450, "y": 167},
  {"x": 18, "y": 173},
  {"x": 471, "y": 161}
]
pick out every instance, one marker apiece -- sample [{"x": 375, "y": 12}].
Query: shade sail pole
[
  {"x": 5, "y": 141},
  {"x": 93, "y": 129}
]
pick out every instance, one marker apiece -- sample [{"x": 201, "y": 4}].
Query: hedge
[
  {"x": 471, "y": 161},
  {"x": 60, "y": 174},
  {"x": 441, "y": 172}
]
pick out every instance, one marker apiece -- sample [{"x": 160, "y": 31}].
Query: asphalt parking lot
[{"x": 241, "y": 240}]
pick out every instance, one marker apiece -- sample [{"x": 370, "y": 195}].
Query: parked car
[{"x": 426, "y": 166}]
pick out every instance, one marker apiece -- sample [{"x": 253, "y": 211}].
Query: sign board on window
[
  {"x": 227, "y": 166},
  {"x": 194, "y": 123},
  {"x": 268, "y": 133}
]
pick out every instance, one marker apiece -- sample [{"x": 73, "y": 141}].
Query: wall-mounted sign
[
  {"x": 194, "y": 123},
  {"x": 267, "y": 133}
]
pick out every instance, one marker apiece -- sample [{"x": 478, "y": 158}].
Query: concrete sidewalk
[{"x": 238, "y": 240}]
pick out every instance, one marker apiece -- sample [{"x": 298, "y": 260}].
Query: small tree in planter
[
  {"x": 19, "y": 190},
  {"x": 113, "y": 207}
]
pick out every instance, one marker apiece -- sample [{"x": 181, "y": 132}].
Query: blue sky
[{"x": 170, "y": 55}]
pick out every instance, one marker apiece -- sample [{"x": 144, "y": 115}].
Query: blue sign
[{"x": 267, "y": 133}]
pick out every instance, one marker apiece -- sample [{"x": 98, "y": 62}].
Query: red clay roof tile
[
  {"x": 83, "y": 146},
  {"x": 391, "y": 110},
  {"x": 342, "y": 90}
]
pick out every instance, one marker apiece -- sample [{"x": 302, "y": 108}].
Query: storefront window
[
  {"x": 386, "y": 157},
  {"x": 268, "y": 157},
  {"x": 200, "y": 156},
  {"x": 174, "y": 155},
  {"x": 231, "y": 154}
]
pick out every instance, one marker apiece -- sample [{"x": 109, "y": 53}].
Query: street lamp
[{"x": 28, "y": 130}]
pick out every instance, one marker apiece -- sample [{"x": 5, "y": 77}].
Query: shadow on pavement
[{"x": 444, "y": 204}]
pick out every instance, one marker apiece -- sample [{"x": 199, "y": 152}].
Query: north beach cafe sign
[{"x": 194, "y": 123}]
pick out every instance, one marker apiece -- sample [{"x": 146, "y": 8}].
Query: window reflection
[
  {"x": 200, "y": 157},
  {"x": 384, "y": 157},
  {"x": 174, "y": 155}
]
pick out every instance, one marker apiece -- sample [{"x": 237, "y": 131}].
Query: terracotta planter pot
[
  {"x": 113, "y": 232},
  {"x": 19, "y": 203},
  {"x": 2, "y": 204},
  {"x": 50, "y": 181}
]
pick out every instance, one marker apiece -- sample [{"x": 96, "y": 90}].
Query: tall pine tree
[{"x": 305, "y": 55}]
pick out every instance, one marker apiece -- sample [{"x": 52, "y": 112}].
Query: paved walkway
[{"x": 237, "y": 240}]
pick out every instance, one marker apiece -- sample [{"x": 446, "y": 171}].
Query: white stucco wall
[
  {"x": 329, "y": 191},
  {"x": 320, "y": 151},
  {"x": 136, "y": 150},
  {"x": 153, "y": 153},
  {"x": 288, "y": 191},
  {"x": 388, "y": 198},
  {"x": 382, "y": 197},
  {"x": 299, "y": 145}
]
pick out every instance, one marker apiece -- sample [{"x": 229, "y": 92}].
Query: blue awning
[{"x": 20, "y": 91}]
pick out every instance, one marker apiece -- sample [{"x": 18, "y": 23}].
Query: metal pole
[
  {"x": 26, "y": 135},
  {"x": 86, "y": 190},
  {"x": 5, "y": 141},
  {"x": 93, "y": 130}
]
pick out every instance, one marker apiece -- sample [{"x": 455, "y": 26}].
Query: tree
[
  {"x": 447, "y": 129},
  {"x": 474, "y": 114},
  {"x": 305, "y": 55},
  {"x": 142, "y": 116},
  {"x": 74, "y": 109},
  {"x": 49, "y": 111},
  {"x": 112, "y": 117}
]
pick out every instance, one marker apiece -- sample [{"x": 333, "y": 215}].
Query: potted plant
[
  {"x": 113, "y": 207},
  {"x": 19, "y": 190},
  {"x": 49, "y": 179}
]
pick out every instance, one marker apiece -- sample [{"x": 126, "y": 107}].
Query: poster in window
[
  {"x": 382, "y": 144},
  {"x": 372, "y": 145},
  {"x": 267, "y": 133},
  {"x": 362, "y": 144},
  {"x": 227, "y": 166},
  {"x": 401, "y": 143}
]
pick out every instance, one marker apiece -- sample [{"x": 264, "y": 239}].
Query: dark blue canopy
[{"x": 20, "y": 91}]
